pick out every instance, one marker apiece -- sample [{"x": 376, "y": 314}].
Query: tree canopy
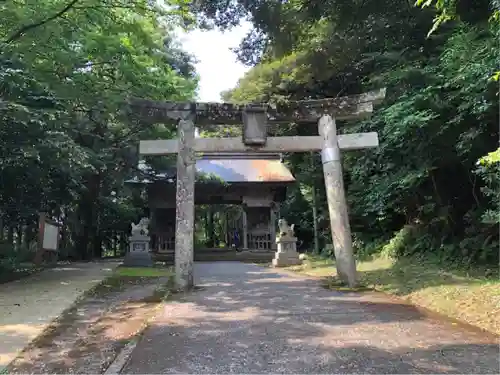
[
  {"x": 435, "y": 174},
  {"x": 66, "y": 71}
]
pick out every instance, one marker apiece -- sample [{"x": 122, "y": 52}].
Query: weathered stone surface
[
  {"x": 184, "y": 222},
  {"x": 285, "y": 230},
  {"x": 138, "y": 260},
  {"x": 287, "y": 254},
  {"x": 141, "y": 228},
  {"x": 254, "y": 126},
  {"x": 337, "y": 205},
  {"x": 354, "y": 141},
  {"x": 138, "y": 254},
  {"x": 285, "y": 261},
  {"x": 347, "y": 107},
  {"x": 375, "y": 97}
]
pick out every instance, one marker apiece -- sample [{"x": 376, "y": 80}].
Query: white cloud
[{"x": 217, "y": 65}]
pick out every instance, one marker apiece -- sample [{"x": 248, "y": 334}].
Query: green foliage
[
  {"x": 438, "y": 119},
  {"x": 445, "y": 8},
  {"x": 11, "y": 259},
  {"x": 489, "y": 170},
  {"x": 448, "y": 10},
  {"x": 66, "y": 71}
]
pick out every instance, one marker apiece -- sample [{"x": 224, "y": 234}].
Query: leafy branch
[{"x": 24, "y": 29}]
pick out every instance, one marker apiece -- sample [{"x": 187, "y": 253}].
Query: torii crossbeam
[{"x": 324, "y": 112}]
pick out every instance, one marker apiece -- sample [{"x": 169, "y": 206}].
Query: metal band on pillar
[{"x": 330, "y": 154}]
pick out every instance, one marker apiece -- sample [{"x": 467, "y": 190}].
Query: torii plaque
[{"x": 324, "y": 112}]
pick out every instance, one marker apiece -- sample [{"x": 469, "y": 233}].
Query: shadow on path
[
  {"x": 248, "y": 319},
  {"x": 28, "y": 305}
]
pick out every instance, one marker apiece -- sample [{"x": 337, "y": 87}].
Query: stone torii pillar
[
  {"x": 184, "y": 206},
  {"x": 337, "y": 205}
]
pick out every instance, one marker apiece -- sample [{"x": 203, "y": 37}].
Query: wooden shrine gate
[{"x": 255, "y": 119}]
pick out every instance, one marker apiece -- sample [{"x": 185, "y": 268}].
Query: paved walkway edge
[
  {"x": 78, "y": 297},
  {"x": 49, "y": 325},
  {"x": 122, "y": 358},
  {"x": 53, "y": 322}
]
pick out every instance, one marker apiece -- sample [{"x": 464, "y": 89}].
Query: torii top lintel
[{"x": 342, "y": 108}]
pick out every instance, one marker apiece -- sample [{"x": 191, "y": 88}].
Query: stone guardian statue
[
  {"x": 285, "y": 230},
  {"x": 141, "y": 228}
]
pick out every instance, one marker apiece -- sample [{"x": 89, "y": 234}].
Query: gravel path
[
  {"x": 28, "y": 305},
  {"x": 87, "y": 337},
  {"x": 248, "y": 319}
]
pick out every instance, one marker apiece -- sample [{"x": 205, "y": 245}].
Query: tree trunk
[
  {"x": 226, "y": 228},
  {"x": 123, "y": 243},
  {"x": 10, "y": 235},
  {"x": 1, "y": 229},
  {"x": 210, "y": 227},
  {"x": 97, "y": 245},
  {"x": 87, "y": 216},
  {"x": 19, "y": 237},
  {"x": 314, "y": 210},
  {"x": 30, "y": 234}
]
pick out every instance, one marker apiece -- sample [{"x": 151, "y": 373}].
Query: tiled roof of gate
[
  {"x": 232, "y": 168},
  {"x": 245, "y": 170}
]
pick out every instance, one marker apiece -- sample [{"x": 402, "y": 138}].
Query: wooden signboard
[{"x": 48, "y": 240}]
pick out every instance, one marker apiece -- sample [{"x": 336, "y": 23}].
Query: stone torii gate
[{"x": 255, "y": 119}]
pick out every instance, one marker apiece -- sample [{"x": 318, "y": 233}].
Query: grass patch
[
  {"x": 468, "y": 296},
  {"x": 142, "y": 271},
  {"x": 8, "y": 275},
  {"x": 333, "y": 283},
  {"x": 124, "y": 277},
  {"x": 162, "y": 292}
]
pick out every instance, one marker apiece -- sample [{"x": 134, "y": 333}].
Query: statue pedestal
[
  {"x": 287, "y": 254},
  {"x": 138, "y": 254}
]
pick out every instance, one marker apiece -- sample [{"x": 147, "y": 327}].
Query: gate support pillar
[
  {"x": 337, "y": 206},
  {"x": 184, "y": 211},
  {"x": 245, "y": 228}
]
